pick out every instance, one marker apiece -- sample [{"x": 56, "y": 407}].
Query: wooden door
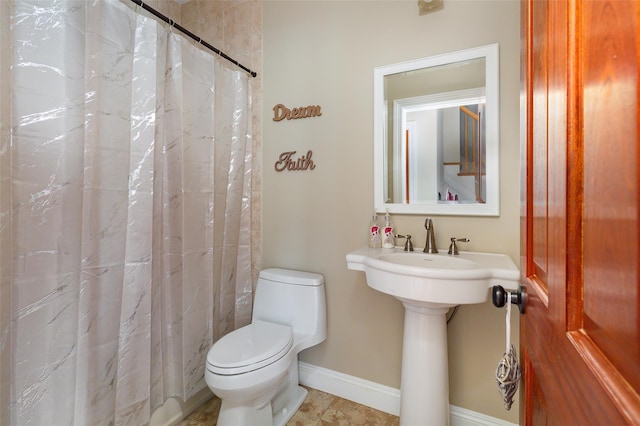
[{"x": 580, "y": 344}]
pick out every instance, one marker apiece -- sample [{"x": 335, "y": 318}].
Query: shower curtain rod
[{"x": 188, "y": 33}]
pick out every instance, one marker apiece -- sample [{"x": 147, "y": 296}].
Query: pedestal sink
[{"x": 428, "y": 285}]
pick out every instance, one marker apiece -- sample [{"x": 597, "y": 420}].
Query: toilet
[{"x": 254, "y": 369}]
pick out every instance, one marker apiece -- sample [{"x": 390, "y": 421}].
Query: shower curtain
[{"x": 125, "y": 183}]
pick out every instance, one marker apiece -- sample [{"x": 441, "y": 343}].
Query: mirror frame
[{"x": 492, "y": 205}]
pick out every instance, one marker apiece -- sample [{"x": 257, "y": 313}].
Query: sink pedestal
[
  {"x": 428, "y": 284},
  {"x": 424, "y": 388}
]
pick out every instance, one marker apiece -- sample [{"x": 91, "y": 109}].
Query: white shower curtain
[{"x": 125, "y": 182}]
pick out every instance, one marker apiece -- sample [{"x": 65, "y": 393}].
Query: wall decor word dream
[{"x": 280, "y": 112}]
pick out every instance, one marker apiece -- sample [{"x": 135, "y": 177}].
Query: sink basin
[
  {"x": 435, "y": 279},
  {"x": 428, "y": 285},
  {"x": 424, "y": 260}
]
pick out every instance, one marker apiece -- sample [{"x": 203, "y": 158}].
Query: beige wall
[{"x": 323, "y": 53}]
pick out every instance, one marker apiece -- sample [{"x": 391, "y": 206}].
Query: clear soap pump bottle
[
  {"x": 375, "y": 241},
  {"x": 388, "y": 240}
]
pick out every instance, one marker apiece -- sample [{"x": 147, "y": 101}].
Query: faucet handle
[
  {"x": 408, "y": 245},
  {"x": 453, "y": 248}
]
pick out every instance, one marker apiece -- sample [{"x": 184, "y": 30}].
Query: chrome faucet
[
  {"x": 453, "y": 248},
  {"x": 408, "y": 245},
  {"x": 430, "y": 245}
]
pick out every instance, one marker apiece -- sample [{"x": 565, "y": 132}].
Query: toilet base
[
  {"x": 232, "y": 414},
  {"x": 276, "y": 412},
  {"x": 284, "y": 415}
]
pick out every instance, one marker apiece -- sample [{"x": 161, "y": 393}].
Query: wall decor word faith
[
  {"x": 280, "y": 112},
  {"x": 285, "y": 162}
]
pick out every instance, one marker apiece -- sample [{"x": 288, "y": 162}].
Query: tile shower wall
[{"x": 234, "y": 27}]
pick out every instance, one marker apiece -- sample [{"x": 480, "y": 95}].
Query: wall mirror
[{"x": 436, "y": 144}]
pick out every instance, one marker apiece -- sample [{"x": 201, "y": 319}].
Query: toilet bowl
[{"x": 254, "y": 369}]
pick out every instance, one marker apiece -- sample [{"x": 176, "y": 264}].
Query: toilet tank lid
[{"x": 290, "y": 276}]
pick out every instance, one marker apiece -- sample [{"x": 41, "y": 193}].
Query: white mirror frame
[{"x": 492, "y": 205}]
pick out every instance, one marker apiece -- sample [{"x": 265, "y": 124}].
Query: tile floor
[{"x": 318, "y": 409}]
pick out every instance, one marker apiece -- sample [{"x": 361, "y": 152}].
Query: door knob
[{"x": 499, "y": 297}]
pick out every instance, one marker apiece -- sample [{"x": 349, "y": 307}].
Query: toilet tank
[{"x": 293, "y": 298}]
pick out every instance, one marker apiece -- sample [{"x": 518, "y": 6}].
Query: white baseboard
[
  {"x": 380, "y": 397},
  {"x": 374, "y": 395}
]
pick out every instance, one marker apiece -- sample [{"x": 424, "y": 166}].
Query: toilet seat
[{"x": 249, "y": 348}]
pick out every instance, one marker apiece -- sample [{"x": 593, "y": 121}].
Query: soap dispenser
[
  {"x": 388, "y": 240},
  {"x": 375, "y": 240}
]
